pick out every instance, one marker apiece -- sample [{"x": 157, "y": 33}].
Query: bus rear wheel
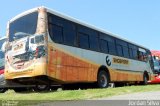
[
  {"x": 103, "y": 79},
  {"x": 41, "y": 88}
]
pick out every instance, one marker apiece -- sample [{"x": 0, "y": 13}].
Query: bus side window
[
  {"x": 94, "y": 41},
  {"x": 56, "y": 28},
  {"x": 83, "y": 41},
  {"x": 140, "y": 55},
  {"x": 145, "y": 57},
  {"x": 126, "y": 51},
  {"x": 69, "y": 33},
  {"x": 104, "y": 46},
  {"x": 122, "y": 48},
  {"x": 133, "y": 52},
  {"x": 112, "y": 48},
  {"x": 112, "y": 45},
  {"x": 56, "y": 33},
  {"x": 119, "y": 50}
]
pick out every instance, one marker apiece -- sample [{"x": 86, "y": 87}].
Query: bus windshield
[{"x": 26, "y": 24}]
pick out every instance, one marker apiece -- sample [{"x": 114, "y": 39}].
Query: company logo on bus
[
  {"x": 120, "y": 61},
  {"x": 108, "y": 61}
]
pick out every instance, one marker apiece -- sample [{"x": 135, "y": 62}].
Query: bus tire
[
  {"x": 145, "y": 80},
  {"x": 3, "y": 90},
  {"x": 103, "y": 79},
  {"x": 41, "y": 88},
  {"x": 54, "y": 88}
]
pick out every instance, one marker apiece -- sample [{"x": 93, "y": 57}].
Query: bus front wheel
[
  {"x": 103, "y": 79},
  {"x": 145, "y": 80}
]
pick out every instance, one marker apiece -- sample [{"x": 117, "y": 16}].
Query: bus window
[
  {"x": 56, "y": 33},
  {"x": 140, "y": 56},
  {"x": 69, "y": 33},
  {"x": 104, "y": 46},
  {"x": 62, "y": 31},
  {"x": 94, "y": 41},
  {"x": 110, "y": 43},
  {"x": 133, "y": 52},
  {"x": 122, "y": 48},
  {"x": 112, "y": 47},
  {"x": 93, "y": 37},
  {"x": 126, "y": 51},
  {"x": 119, "y": 50},
  {"x": 83, "y": 41},
  {"x": 26, "y": 24}
]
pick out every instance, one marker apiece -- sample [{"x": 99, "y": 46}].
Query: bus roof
[{"x": 73, "y": 20}]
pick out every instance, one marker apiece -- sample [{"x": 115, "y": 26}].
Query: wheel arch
[{"x": 104, "y": 68}]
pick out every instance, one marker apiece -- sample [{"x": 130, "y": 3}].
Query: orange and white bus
[{"x": 46, "y": 47}]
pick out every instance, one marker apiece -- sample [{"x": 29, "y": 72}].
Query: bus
[
  {"x": 2, "y": 79},
  {"x": 47, "y": 48},
  {"x": 156, "y": 54},
  {"x": 156, "y": 61}
]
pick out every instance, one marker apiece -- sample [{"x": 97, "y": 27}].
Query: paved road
[
  {"x": 136, "y": 99},
  {"x": 136, "y": 96}
]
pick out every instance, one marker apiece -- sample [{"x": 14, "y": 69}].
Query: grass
[
  {"x": 77, "y": 94},
  {"x": 34, "y": 98}
]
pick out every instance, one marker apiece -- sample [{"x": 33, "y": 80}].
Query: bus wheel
[
  {"x": 102, "y": 79},
  {"x": 41, "y": 88},
  {"x": 3, "y": 90},
  {"x": 145, "y": 79},
  {"x": 54, "y": 88}
]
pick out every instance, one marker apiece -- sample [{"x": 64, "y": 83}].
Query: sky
[{"x": 135, "y": 20}]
